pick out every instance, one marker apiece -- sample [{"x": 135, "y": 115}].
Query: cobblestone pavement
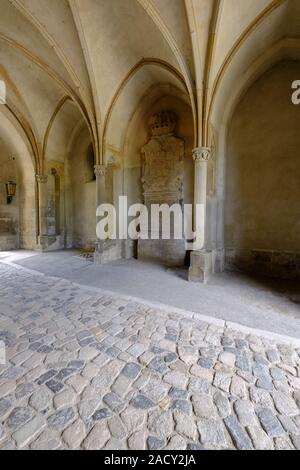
[{"x": 95, "y": 371}]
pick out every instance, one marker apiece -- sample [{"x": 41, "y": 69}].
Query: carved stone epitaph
[
  {"x": 162, "y": 156},
  {"x": 162, "y": 182}
]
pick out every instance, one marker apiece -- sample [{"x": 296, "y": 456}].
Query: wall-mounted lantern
[{"x": 10, "y": 191}]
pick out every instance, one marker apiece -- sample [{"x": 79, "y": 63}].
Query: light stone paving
[{"x": 96, "y": 371}]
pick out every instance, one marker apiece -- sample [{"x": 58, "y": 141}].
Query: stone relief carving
[
  {"x": 162, "y": 161},
  {"x": 162, "y": 180}
]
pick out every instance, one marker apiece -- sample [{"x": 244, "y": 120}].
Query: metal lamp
[{"x": 10, "y": 191}]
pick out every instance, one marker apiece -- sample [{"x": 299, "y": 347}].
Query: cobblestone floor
[{"x": 93, "y": 371}]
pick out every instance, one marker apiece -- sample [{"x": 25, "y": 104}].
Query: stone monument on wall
[{"x": 162, "y": 183}]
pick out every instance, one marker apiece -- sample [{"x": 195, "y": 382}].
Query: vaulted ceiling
[{"x": 70, "y": 62}]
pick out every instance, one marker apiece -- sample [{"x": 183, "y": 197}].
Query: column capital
[
  {"x": 202, "y": 154},
  {"x": 41, "y": 179},
  {"x": 100, "y": 170}
]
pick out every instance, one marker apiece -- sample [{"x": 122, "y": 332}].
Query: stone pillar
[
  {"x": 42, "y": 207},
  {"x": 201, "y": 260},
  {"x": 100, "y": 173}
]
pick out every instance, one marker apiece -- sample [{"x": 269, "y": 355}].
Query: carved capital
[
  {"x": 202, "y": 154},
  {"x": 100, "y": 170},
  {"x": 112, "y": 162},
  {"x": 41, "y": 179}
]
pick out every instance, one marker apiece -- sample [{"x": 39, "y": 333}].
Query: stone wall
[
  {"x": 262, "y": 216},
  {"x": 9, "y": 213},
  {"x": 82, "y": 192}
]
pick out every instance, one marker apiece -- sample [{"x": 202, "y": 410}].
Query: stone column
[
  {"x": 201, "y": 259},
  {"x": 100, "y": 173},
  {"x": 42, "y": 207}
]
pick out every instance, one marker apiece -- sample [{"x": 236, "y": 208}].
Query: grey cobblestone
[
  {"x": 24, "y": 390},
  {"x": 176, "y": 443},
  {"x": 269, "y": 422},
  {"x": 19, "y": 416},
  {"x": 41, "y": 399},
  {"x": 112, "y": 373},
  {"x": 5, "y": 405},
  {"x": 60, "y": 419},
  {"x": 142, "y": 402},
  {"x": 183, "y": 405},
  {"x": 104, "y": 413},
  {"x": 117, "y": 428},
  {"x": 212, "y": 433},
  {"x": 203, "y": 406},
  {"x": 222, "y": 381},
  {"x": 285, "y": 404},
  {"x": 288, "y": 424},
  {"x": 260, "y": 439},
  {"x": 74, "y": 435},
  {"x": 283, "y": 443},
  {"x": 245, "y": 413},
  {"x": 154, "y": 443},
  {"x": 185, "y": 425},
  {"x": 114, "y": 402},
  {"x": 97, "y": 438},
  {"x": 222, "y": 403},
  {"x": 87, "y": 408},
  {"x": 27, "y": 432},
  {"x": 239, "y": 436}
]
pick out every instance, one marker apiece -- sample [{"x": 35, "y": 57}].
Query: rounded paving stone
[
  {"x": 104, "y": 413},
  {"x": 5, "y": 405},
  {"x": 142, "y": 402},
  {"x": 154, "y": 443},
  {"x": 24, "y": 389},
  {"x": 178, "y": 394},
  {"x": 60, "y": 419},
  {"x": 19, "y": 416},
  {"x": 131, "y": 370},
  {"x": 182, "y": 405}
]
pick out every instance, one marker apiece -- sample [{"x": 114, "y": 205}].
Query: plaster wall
[
  {"x": 9, "y": 213},
  {"x": 83, "y": 195},
  {"x": 262, "y": 215}
]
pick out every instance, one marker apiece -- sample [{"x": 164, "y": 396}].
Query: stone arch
[
  {"x": 284, "y": 49},
  {"x": 162, "y": 68},
  {"x": 128, "y": 130},
  {"x": 261, "y": 215}
]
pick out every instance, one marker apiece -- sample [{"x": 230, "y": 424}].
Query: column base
[
  {"x": 201, "y": 266},
  {"x": 129, "y": 249},
  {"x": 50, "y": 243},
  {"x": 107, "y": 251}
]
